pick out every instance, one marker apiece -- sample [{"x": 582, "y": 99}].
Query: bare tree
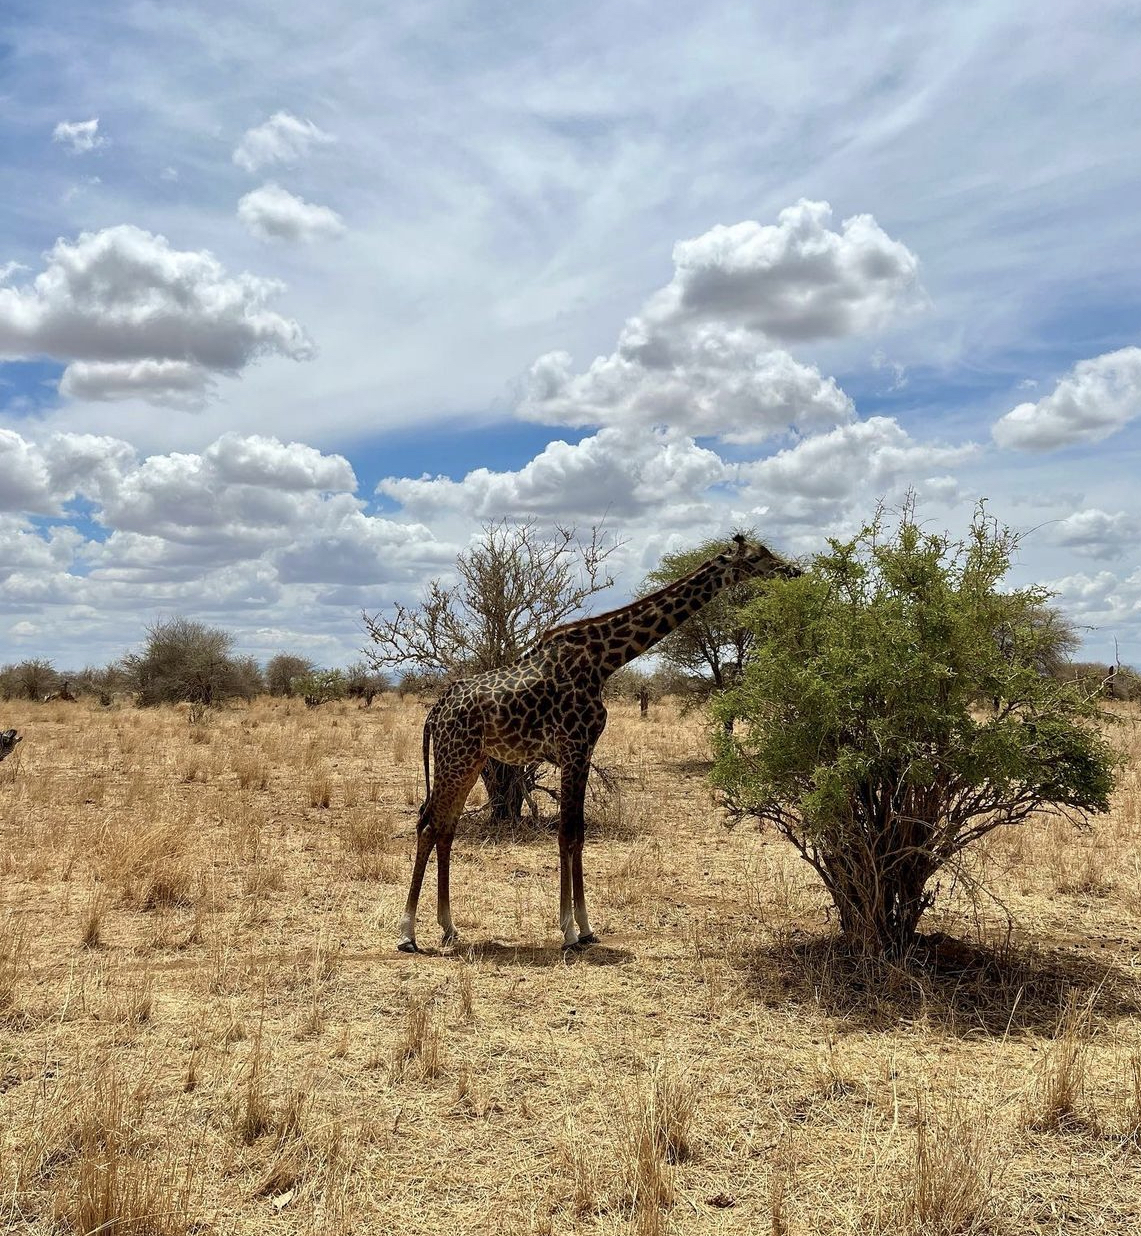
[
  {"x": 283, "y": 669},
  {"x": 513, "y": 584},
  {"x": 28, "y": 680},
  {"x": 187, "y": 660}
]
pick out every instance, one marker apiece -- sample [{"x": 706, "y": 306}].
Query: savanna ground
[{"x": 204, "y": 1025}]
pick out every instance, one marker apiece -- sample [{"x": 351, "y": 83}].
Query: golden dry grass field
[{"x": 205, "y": 1027}]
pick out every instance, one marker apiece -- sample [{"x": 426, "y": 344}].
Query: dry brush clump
[
  {"x": 13, "y": 963},
  {"x": 151, "y": 866},
  {"x": 369, "y": 842},
  {"x": 1058, "y": 1100},
  {"x": 946, "y": 1179},
  {"x": 419, "y": 1051},
  {"x": 626, "y": 1164},
  {"x": 100, "y": 1160}
]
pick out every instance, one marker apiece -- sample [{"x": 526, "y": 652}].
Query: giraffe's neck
[{"x": 618, "y": 637}]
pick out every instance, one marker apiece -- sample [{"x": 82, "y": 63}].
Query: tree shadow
[
  {"x": 695, "y": 766},
  {"x": 543, "y": 956},
  {"x": 962, "y": 988},
  {"x": 479, "y": 826}
]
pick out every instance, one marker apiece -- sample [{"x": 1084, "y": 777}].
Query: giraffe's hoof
[
  {"x": 575, "y": 946},
  {"x": 449, "y": 938},
  {"x": 583, "y": 941},
  {"x": 407, "y": 946}
]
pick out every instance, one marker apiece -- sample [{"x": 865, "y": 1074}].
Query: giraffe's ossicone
[{"x": 548, "y": 706}]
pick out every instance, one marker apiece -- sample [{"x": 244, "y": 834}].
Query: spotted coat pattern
[{"x": 548, "y": 706}]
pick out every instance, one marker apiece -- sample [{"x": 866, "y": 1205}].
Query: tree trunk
[
  {"x": 506, "y": 786},
  {"x": 880, "y": 911}
]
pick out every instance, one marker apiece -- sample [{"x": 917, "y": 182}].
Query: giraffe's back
[{"x": 520, "y": 715}]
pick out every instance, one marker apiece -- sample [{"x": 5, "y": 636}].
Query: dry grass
[{"x": 204, "y": 1025}]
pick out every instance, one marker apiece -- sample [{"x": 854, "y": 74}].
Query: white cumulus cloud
[
  {"x": 273, "y": 213},
  {"x": 133, "y": 316},
  {"x": 706, "y": 381},
  {"x": 24, "y": 481},
  {"x": 283, "y": 138},
  {"x": 793, "y": 280},
  {"x": 1095, "y": 399},
  {"x": 243, "y": 521},
  {"x": 238, "y": 459},
  {"x": 1094, "y": 533},
  {"x": 79, "y": 136},
  {"x": 704, "y": 355},
  {"x": 822, "y": 477},
  {"x": 615, "y": 471},
  {"x": 175, "y": 383}
]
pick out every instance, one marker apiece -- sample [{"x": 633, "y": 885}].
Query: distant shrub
[
  {"x": 320, "y": 687},
  {"x": 29, "y": 680},
  {"x": 184, "y": 660},
  {"x": 283, "y": 670},
  {"x": 362, "y": 682}
]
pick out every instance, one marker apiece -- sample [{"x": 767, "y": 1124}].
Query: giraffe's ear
[{"x": 742, "y": 544}]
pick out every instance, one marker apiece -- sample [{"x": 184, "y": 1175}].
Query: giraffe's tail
[{"x": 427, "y": 773}]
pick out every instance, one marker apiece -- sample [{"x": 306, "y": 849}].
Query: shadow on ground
[
  {"x": 694, "y": 767},
  {"x": 960, "y": 987},
  {"x": 544, "y": 956}
]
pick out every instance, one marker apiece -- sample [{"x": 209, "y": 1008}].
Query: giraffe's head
[
  {"x": 8, "y": 741},
  {"x": 749, "y": 560}
]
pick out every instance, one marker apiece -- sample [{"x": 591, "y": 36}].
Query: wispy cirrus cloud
[
  {"x": 283, "y": 138},
  {"x": 79, "y": 136}
]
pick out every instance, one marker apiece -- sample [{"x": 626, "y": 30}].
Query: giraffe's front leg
[
  {"x": 573, "y": 917},
  {"x": 585, "y": 934},
  {"x": 566, "y": 902}
]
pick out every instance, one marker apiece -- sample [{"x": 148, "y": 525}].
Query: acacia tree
[
  {"x": 283, "y": 669},
  {"x": 184, "y": 660},
  {"x": 866, "y": 745},
  {"x": 28, "y": 680},
  {"x": 515, "y": 582}
]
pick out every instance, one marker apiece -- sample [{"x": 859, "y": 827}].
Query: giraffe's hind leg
[
  {"x": 425, "y": 840},
  {"x": 437, "y": 826},
  {"x": 443, "y": 899}
]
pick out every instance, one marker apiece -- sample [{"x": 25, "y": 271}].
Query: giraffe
[
  {"x": 8, "y": 741},
  {"x": 548, "y": 706}
]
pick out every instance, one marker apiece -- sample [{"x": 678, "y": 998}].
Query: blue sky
[{"x": 679, "y": 267}]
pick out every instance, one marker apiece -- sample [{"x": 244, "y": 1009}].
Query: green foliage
[
  {"x": 897, "y": 710},
  {"x": 320, "y": 687}
]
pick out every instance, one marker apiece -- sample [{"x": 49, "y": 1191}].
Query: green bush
[{"x": 898, "y": 710}]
